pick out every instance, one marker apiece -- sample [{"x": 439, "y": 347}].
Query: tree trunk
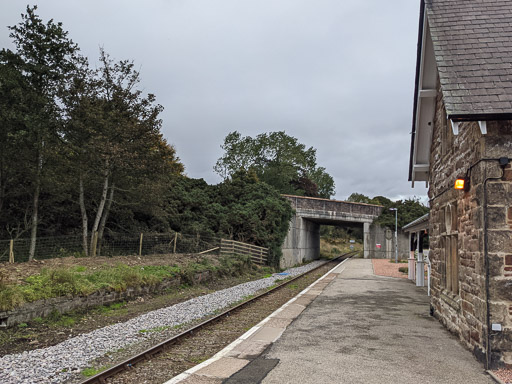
[
  {"x": 3, "y": 184},
  {"x": 101, "y": 206},
  {"x": 105, "y": 217},
  {"x": 85, "y": 224},
  {"x": 35, "y": 209}
]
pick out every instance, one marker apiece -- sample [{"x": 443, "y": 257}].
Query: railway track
[{"x": 121, "y": 373}]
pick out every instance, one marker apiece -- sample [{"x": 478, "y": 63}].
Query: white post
[
  {"x": 411, "y": 275},
  {"x": 420, "y": 265}
]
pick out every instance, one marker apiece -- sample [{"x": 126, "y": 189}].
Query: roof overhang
[
  {"x": 425, "y": 94},
  {"x": 420, "y": 224}
]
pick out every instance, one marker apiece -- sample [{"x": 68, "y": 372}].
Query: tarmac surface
[{"x": 350, "y": 327}]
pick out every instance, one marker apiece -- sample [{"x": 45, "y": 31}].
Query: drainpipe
[{"x": 429, "y": 269}]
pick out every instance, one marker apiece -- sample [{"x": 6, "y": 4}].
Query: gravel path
[
  {"x": 57, "y": 363},
  {"x": 382, "y": 267}
]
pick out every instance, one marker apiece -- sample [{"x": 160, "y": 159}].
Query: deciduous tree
[{"x": 278, "y": 160}]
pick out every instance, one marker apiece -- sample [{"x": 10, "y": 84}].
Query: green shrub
[{"x": 10, "y": 297}]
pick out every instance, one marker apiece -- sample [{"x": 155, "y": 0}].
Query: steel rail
[{"x": 149, "y": 353}]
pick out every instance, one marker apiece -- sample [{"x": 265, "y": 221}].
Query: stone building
[{"x": 462, "y": 128}]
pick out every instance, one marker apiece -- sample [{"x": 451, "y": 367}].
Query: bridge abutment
[
  {"x": 366, "y": 240},
  {"x": 302, "y": 242}
]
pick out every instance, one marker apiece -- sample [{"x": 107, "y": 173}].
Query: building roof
[
  {"x": 467, "y": 46},
  {"x": 419, "y": 224},
  {"x": 472, "y": 42}
]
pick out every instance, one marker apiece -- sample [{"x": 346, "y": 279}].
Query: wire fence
[{"x": 140, "y": 244}]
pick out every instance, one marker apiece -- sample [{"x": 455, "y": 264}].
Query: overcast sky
[{"x": 336, "y": 74}]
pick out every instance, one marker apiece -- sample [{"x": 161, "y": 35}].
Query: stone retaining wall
[{"x": 43, "y": 308}]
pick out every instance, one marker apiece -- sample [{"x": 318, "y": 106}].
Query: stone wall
[
  {"x": 457, "y": 220},
  {"x": 43, "y": 308}
]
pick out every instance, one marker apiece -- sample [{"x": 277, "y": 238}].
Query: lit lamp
[{"x": 462, "y": 184}]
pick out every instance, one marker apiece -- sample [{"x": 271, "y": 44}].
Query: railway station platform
[{"x": 349, "y": 327}]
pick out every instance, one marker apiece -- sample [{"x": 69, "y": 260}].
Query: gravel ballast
[{"x": 57, "y": 363}]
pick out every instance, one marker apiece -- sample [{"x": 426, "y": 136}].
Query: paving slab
[
  {"x": 223, "y": 368},
  {"x": 275, "y": 322},
  {"x": 196, "y": 379},
  {"x": 290, "y": 313},
  {"x": 370, "y": 329},
  {"x": 248, "y": 349},
  {"x": 267, "y": 334}
]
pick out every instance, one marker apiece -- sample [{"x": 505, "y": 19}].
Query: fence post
[
  {"x": 140, "y": 244},
  {"x": 11, "y": 251},
  {"x": 94, "y": 243},
  {"x": 175, "y": 241}
]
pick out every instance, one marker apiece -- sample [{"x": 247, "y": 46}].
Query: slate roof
[{"x": 473, "y": 49}]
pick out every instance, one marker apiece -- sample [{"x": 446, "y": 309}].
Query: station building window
[{"x": 449, "y": 249}]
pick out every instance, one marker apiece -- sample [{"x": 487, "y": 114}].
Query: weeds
[
  {"x": 91, "y": 371},
  {"x": 108, "y": 309},
  {"x": 156, "y": 329}
]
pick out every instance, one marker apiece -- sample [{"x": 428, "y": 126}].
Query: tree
[
  {"x": 256, "y": 213},
  {"x": 359, "y": 198},
  {"x": 113, "y": 132},
  {"x": 278, "y": 160},
  {"x": 44, "y": 54},
  {"x": 14, "y": 106},
  {"x": 408, "y": 209}
]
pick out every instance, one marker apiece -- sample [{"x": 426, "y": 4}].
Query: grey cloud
[{"x": 338, "y": 75}]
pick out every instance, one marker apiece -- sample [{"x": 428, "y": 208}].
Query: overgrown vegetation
[
  {"x": 91, "y": 371},
  {"x": 241, "y": 208},
  {"x": 79, "y": 282},
  {"x": 408, "y": 210},
  {"x": 81, "y": 152},
  {"x": 335, "y": 241}
]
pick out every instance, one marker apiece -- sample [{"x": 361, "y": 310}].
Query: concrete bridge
[{"x": 303, "y": 240}]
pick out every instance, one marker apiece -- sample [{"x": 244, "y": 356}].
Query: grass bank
[{"x": 82, "y": 281}]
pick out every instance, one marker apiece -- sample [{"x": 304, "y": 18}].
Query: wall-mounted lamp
[{"x": 462, "y": 183}]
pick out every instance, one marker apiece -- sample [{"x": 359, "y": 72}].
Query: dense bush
[{"x": 241, "y": 208}]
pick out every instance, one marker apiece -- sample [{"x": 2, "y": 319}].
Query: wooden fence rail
[{"x": 259, "y": 255}]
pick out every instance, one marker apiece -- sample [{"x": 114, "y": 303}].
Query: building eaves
[{"x": 421, "y": 223}]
